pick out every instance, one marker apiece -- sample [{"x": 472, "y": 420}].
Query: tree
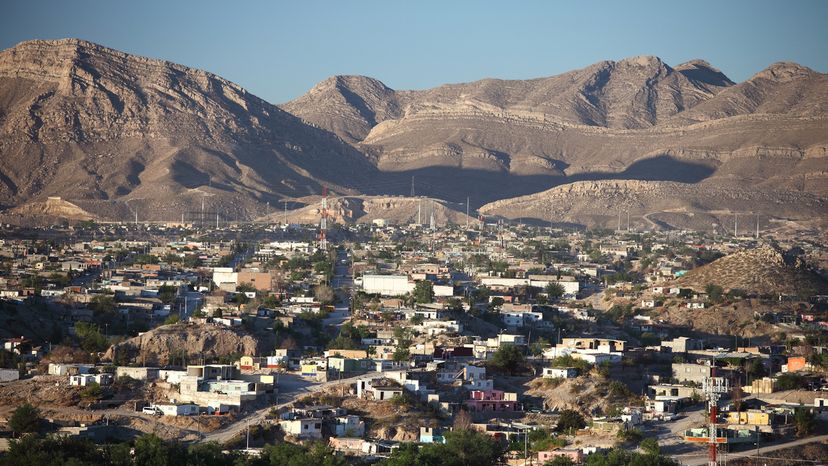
[
  {"x": 468, "y": 447},
  {"x": 324, "y": 294},
  {"x": 206, "y": 454},
  {"x": 102, "y": 304},
  {"x": 554, "y": 290},
  {"x": 804, "y": 421},
  {"x": 509, "y": 359},
  {"x": 714, "y": 292},
  {"x": 650, "y": 446},
  {"x": 401, "y": 354},
  {"x": 570, "y": 420},
  {"x": 423, "y": 292},
  {"x": 342, "y": 342},
  {"x": 560, "y": 461},
  {"x": 152, "y": 450},
  {"x": 92, "y": 391},
  {"x": 462, "y": 420},
  {"x": 90, "y": 337},
  {"x": 172, "y": 319},
  {"x": 245, "y": 287},
  {"x": 25, "y": 419},
  {"x": 167, "y": 293}
]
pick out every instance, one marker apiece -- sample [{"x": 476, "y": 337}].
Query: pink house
[
  {"x": 577, "y": 456},
  {"x": 491, "y": 400}
]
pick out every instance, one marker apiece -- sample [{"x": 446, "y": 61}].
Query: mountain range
[{"x": 679, "y": 146}]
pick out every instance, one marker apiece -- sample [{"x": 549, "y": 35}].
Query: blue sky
[{"x": 278, "y": 50}]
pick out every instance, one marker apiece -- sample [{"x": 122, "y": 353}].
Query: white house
[
  {"x": 188, "y": 409},
  {"x": 82, "y": 380},
  {"x": 307, "y": 428},
  {"x": 560, "y": 372},
  {"x": 349, "y": 426}
]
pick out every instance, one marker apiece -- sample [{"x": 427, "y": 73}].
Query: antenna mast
[
  {"x": 323, "y": 224},
  {"x": 713, "y": 388}
]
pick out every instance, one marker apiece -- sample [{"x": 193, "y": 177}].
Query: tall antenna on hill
[{"x": 323, "y": 224}]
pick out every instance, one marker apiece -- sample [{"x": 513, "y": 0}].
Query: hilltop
[
  {"x": 764, "y": 270},
  {"x": 365, "y": 209}
]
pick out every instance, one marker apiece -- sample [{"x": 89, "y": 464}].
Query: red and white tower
[{"x": 713, "y": 388}]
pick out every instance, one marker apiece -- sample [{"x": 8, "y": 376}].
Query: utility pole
[
  {"x": 412, "y": 185},
  {"x": 431, "y": 222},
  {"x": 619, "y": 221},
  {"x": 467, "y": 212},
  {"x": 757, "y": 226},
  {"x": 419, "y": 210}
]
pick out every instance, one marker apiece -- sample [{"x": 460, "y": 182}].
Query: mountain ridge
[{"x": 115, "y": 133}]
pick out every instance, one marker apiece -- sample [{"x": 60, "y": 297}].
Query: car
[{"x": 150, "y": 410}]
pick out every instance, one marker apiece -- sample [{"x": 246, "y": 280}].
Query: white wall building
[{"x": 387, "y": 285}]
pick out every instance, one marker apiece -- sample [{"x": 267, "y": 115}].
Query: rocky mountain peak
[
  {"x": 647, "y": 61},
  {"x": 702, "y": 71},
  {"x": 784, "y": 72}
]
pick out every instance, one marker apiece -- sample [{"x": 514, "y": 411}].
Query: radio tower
[
  {"x": 323, "y": 224},
  {"x": 713, "y": 388}
]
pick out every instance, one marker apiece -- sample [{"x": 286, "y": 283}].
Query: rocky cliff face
[
  {"x": 160, "y": 345},
  {"x": 87, "y": 122}
]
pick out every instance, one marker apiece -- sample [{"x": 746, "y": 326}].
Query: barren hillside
[{"x": 764, "y": 270}]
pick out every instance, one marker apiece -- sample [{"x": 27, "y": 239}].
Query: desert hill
[
  {"x": 160, "y": 344},
  {"x": 635, "y": 119},
  {"x": 82, "y": 121},
  {"x": 116, "y": 134},
  {"x": 656, "y": 204},
  {"x": 365, "y": 209},
  {"x": 49, "y": 210},
  {"x": 763, "y": 270}
]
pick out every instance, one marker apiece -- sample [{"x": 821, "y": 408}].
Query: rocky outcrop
[
  {"x": 163, "y": 344},
  {"x": 366, "y": 209}
]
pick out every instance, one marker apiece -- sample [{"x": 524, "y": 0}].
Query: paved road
[
  {"x": 192, "y": 300},
  {"x": 342, "y": 283},
  {"x": 290, "y": 388},
  {"x": 701, "y": 459}
]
